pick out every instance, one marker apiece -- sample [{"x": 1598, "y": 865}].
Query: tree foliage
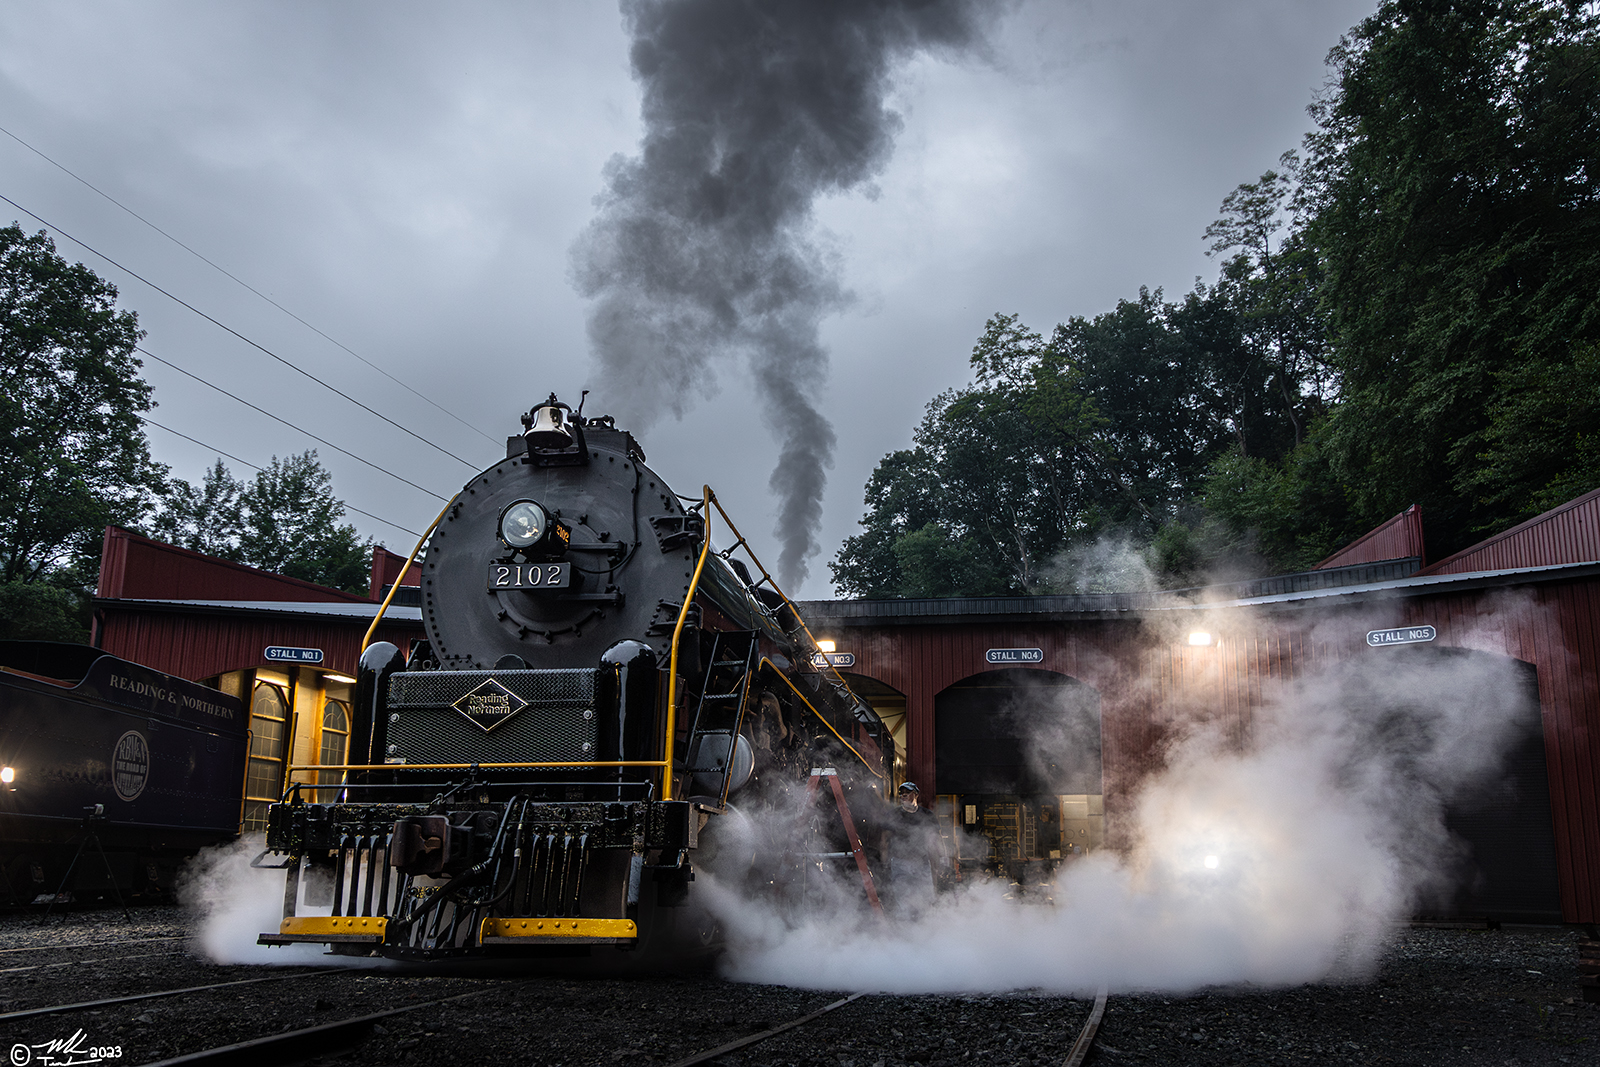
[
  {"x": 1104, "y": 428},
  {"x": 73, "y": 454},
  {"x": 1453, "y": 191},
  {"x": 1411, "y": 315},
  {"x": 284, "y": 520}
]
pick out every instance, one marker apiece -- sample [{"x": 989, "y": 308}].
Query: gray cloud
[{"x": 704, "y": 246}]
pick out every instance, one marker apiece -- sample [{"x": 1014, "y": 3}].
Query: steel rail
[
  {"x": 98, "y": 959},
  {"x": 1080, "y": 1047},
  {"x": 721, "y": 1050},
  {"x": 57, "y": 1009},
  {"x": 296, "y": 1045},
  {"x": 93, "y": 944}
]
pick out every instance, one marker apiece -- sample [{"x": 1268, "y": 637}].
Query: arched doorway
[
  {"x": 1018, "y": 769},
  {"x": 1504, "y": 866},
  {"x": 890, "y": 704}
]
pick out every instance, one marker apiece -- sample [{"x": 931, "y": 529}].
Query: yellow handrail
[
  {"x": 765, "y": 662},
  {"x": 463, "y": 766},
  {"x": 766, "y": 577},
  {"x": 395, "y": 588},
  {"x": 677, "y": 632},
  {"x": 774, "y": 582}
]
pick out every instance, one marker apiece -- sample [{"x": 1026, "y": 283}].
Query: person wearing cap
[{"x": 912, "y": 847}]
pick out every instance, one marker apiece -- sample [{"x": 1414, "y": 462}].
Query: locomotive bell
[{"x": 549, "y": 427}]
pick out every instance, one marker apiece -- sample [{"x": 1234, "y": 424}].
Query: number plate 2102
[{"x": 530, "y": 575}]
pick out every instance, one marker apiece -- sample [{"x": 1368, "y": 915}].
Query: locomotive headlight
[{"x": 523, "y": 524}]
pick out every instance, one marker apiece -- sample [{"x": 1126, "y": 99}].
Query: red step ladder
[{"x": 832, "y": 775}]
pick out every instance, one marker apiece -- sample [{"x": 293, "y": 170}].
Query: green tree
[
  {"x": 73, "y": 454},
  {"x": 1275, "y": 375},
  {"x": 204, "y": 518},
  {"x": 1453, "y": 191},
  {"x": 284, "y": 520}
]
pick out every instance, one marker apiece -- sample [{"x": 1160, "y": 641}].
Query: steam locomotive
[{"x": 598, "y": 688}]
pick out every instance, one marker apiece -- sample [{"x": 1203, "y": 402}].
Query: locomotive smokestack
[{"x": 704, "y": 247}]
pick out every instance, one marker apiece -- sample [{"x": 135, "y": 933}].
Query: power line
[
  {"x": 236, "y": 333},
  {"x": 398, "y": 381},
  {"x": 286, "y": 422},
  {"x": 244, "y": 462}
]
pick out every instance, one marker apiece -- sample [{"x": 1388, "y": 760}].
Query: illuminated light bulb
[
  {"x": 1211, "y": 863},
  {"x": 8, "y": 775},
  {"x": 826, "y": 646},
  {"x": 1199, "y": 637}
]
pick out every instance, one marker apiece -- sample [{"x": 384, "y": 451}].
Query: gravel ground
[{"x": 1442, "y": 997}]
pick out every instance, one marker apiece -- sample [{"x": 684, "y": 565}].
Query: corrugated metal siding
[
  {"x": 1151, "y": 680},
  {"x": 138, "y": 568},
  {"x": 1399, "y": 537},
  {"x": 1567, "y": 534},
  {"x": 194, "y": 645}
]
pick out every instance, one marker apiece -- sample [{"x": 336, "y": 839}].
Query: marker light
[
  {"x": 8, "y": 775},
  {"x": 1199, "y": 637},
  {"x": 1211, "y": 863}
]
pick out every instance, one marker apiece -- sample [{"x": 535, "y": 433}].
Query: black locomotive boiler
[
  {"x": 111, "y": 773},
  {"x": 596, "y": 689}
]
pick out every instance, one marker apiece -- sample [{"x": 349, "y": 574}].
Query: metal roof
[
  {"x": 360, "y": 610},
  {"x": 1111, "y": 605}
]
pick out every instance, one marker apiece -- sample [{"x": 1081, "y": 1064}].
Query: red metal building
[{"x": 1529, "y": 597}]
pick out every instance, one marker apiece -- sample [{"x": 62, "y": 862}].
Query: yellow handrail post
[
  {"x": 766, "y": 577},
  {"x": 395, "y": 588},
  {"x": 677, "y": 631}
]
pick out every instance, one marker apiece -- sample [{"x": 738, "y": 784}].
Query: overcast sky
[{"x": 410, "y": 179}]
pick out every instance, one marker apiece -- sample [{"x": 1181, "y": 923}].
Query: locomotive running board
[{"x": 561, "y": 931}]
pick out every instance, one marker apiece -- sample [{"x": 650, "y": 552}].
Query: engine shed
[
  {"x": 965, "y": 682},
  {"x": 1032, "y": 719}
]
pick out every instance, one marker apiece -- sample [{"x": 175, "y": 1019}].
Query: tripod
[{"x": 92, "y": 815}]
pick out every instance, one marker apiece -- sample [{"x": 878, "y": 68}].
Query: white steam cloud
[
  {"x": 1321, "y": 828},
  {"x": 234, "y": 903}
]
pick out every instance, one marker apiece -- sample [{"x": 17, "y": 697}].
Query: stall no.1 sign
[{"x": 285, "y": 654}]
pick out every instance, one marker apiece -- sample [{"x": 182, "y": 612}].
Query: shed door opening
[{"x": 1017, "y": 758}]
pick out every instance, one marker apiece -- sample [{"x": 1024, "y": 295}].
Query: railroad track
[
  {"x": 374, "y": 1018},
  {"x": 91, "y": 944},
  {"x": 345, "y": 1034},
  {"x": 108, "y": 1002}
]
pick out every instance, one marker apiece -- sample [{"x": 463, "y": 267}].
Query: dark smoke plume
[{"x": 703, "y": 246}]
